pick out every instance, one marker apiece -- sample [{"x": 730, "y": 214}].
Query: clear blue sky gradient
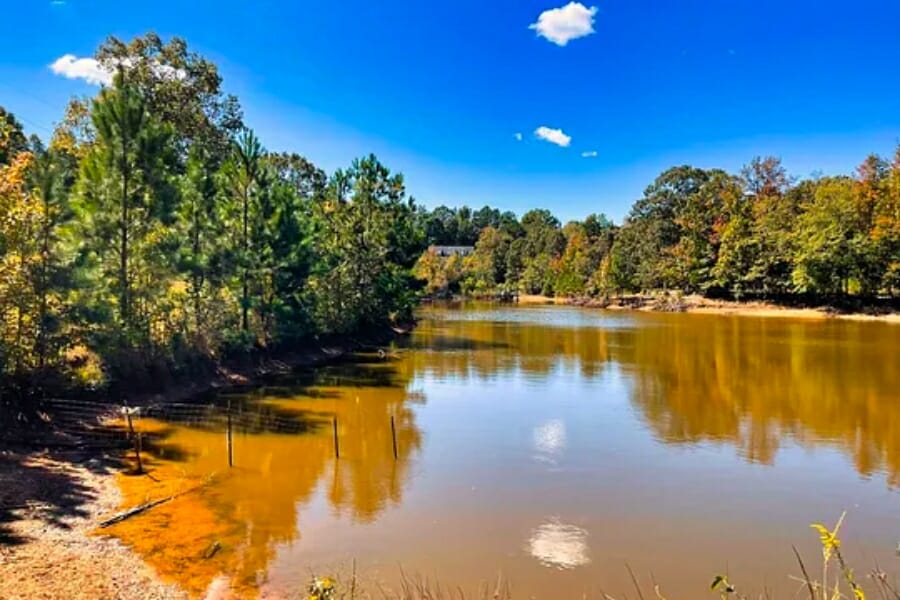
[{"x": 438, "y": 89}]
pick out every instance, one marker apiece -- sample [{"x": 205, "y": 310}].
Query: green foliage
[
  {"x": 124, "y": 204},
  {"x": 157, "y": 233},
  {"x": 180, "y": 88},
  {"x": 694, "y": 231},
  {"x": 359, "y": 279},
  {"x": 243, "y": 182},
  {"x": 830, "y": 247},
  {"x": 12, "y": 137}
]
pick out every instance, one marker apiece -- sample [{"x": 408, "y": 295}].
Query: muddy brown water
[{"x": 552, "y": 445}]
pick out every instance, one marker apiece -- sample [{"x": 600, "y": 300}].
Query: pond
[{"x": 552, "y": 445}]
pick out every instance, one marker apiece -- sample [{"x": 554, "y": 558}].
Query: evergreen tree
[{"x": 125, "y": 207}]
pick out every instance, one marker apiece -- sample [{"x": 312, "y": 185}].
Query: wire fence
[{"x": 80, "y": 424}]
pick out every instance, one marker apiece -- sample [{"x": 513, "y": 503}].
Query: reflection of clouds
[
  {"x": 556, "y": 544},
  {"x": 550, "y": 439}
]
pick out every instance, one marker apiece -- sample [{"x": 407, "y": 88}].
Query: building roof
[{"x": 453, "y": 249}]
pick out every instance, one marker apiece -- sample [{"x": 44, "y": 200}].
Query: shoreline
[
  {"x": 50, "y": 504},
  {"x": 228, "y": 375},
  {"x": 700, "y": 305},
  {"x": 53, "y": 495},
  {"x": 233, "y": 375}
]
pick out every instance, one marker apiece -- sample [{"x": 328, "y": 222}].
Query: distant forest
[
  {"x": 154, "y": 232},
  {"x": 759, "y": 233}
]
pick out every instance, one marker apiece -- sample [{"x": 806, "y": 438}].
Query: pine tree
[{"x": 124, "y": 206}]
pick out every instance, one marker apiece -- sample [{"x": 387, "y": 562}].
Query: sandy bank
[
  {"x": 699, "y": 304},
  {"x": 50, "y": 505}
]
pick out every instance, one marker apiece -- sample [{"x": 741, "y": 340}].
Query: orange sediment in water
[{"x": 230, "y": 521}]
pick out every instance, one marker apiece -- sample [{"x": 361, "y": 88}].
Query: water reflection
[
  {"x": 239, "y": 517},
  {"x": 698, "y": 378},
  {"x": 559, "y": 545},
  {"x": 550, "y": 440},
  {"x": 607, "y": 400}
]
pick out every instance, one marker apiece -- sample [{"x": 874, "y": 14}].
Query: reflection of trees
[
  {"x": 367, "y": 477},
  {"x": 251, "y": 509},
  {"x": 693, "y": 377},
  {"x": 486, "y": 349},
  {"x": 753, "y": 381}
]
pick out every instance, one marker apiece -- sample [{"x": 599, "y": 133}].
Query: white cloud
[
  {"x": 518, "y": 137},
  {"x": 589, "y": 154},
  {"x": 554, "y": 136},
  {"x": 92, "y": 71},
  {"x": 89, "y": 69},
  {"x": 561, "y": 25}
]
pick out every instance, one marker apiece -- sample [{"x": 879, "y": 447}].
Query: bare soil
[
  {"x": 699, "y": 304},
  {"x": 50, "y": 505}
]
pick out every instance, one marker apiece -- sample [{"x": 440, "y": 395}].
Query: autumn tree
[
  {"x": 20, "y": 223},
  {"x": 828, "y": 242},
  {"x": 885, "y": 233}
]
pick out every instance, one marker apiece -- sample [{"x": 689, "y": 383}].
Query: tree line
[
  {"x": 758, "y": 233},
  {"x": 154, "y": 232}
]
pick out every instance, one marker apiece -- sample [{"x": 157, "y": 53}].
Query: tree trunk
[
  {"x": 198, "y": 278},
  {"x": 123, "y": 252},
  {"x": 245, "y": 325},
  {"x": 42, "y": 310}
]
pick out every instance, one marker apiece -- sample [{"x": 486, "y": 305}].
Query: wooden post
[
  {"x": 228, "y": 440},
  {"x": 337, "y": 449},
  {"x": 137, "y": 450},
  {"x": 394, "y": 436},
  {"x": 135, "y": 438},
  {"x": 127, "y": 414}
]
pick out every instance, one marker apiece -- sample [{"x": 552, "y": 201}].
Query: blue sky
[{"x": 438, "y": 90}]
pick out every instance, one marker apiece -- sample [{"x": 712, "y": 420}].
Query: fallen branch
[
  {"x": 142, "y": 508},
  {"x": 127, "y": 514}
]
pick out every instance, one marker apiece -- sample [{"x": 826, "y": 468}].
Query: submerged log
[
  {"x": 211, "y": 550},
  {"x": 142, "y": 508},
  {"x": 127, "y": 514}
]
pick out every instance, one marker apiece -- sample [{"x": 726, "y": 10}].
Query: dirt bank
[
  {"x": 50, "y": 505},
  {"x": 259, "y": 368},
  {"x": 699, "y": 304}
]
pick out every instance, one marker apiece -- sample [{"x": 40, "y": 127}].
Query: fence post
[
  {"x": 394, "y": 436},
  {"x": 136, "y": 438},
  {"x": 138, "y": 443},
  {"x": 228, "y": 440},
  {"x": 337, "y": 449}
]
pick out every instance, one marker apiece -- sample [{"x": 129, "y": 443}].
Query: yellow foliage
[
  {"x": 321, "y": 588},
  {"x": 830, "y": 541},
  {"x": 86, "y": 365},
  {"x": 20, "y": 218}
]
